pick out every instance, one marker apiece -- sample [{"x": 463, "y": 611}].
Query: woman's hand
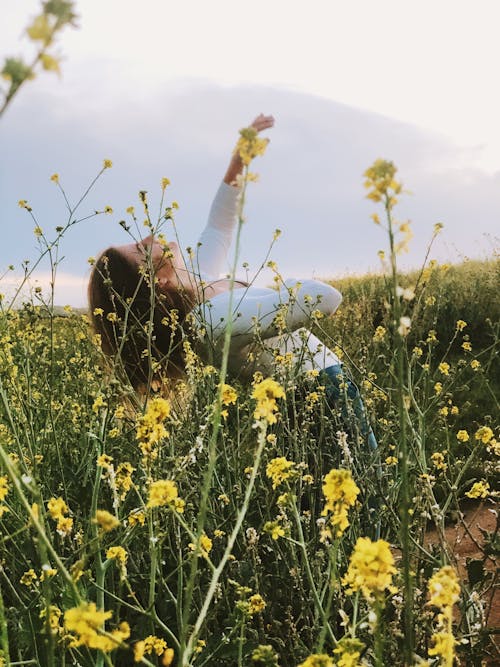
[
  {"x": 262, "y": 122},
  {"x": 235, "y": 168}
]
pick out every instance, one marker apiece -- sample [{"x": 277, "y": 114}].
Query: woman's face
[{"x": 166, "y": 258}]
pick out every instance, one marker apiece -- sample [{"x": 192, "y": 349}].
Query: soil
[{"x": 468, "y": 543}]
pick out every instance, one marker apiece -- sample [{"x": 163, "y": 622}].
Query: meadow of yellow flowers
[{"x": 218, "y": 523}]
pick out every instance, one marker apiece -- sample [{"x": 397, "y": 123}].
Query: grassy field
[{"x": 228, "y": 524}]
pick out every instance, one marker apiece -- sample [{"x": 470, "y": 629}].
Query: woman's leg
[{"x": 309, "y": 353}]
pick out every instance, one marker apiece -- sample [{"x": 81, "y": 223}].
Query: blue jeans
[{"x": 338, "y": 387}]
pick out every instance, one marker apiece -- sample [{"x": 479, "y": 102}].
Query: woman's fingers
[{"x": 263, "y": 122}]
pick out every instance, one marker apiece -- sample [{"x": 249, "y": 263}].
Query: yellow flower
[
  {"x": 444, "y": 645},
  {"x": 165, "y": 182},
  {"x": 340, "y": 492},
  {"x": 205, "y": 544},
  {"x": 478, "y": 490},
  {"x": 55, "y": 178},
  {"x": 484, "y": 434},
  {"x": 229, "y": 395},
  {"x": 462, "y": 436},
  {"x": 380, "y": 181},
  {"x": 438, "y": 459},
  {"x": 4, "y": 487},
  {"x": 28, "y": 578},
  {"x": 117, "y": 553},
  {"x": 98, "y": 311},
  {"x": 105, "y": 520},
  {"x": 162, "y": 492},
  {"x": 108, "y": 210},
  {"x": 256, "y": 604},
  {"x": 349, "y": 652},
  {"x": 379, "y": 334},
  {"x": 136, "y": 518},
  {"x": 57, "y": 508},
  {"x": 444, "y": 589},
  {"x": 41, "y": 30},
  {"x": 123, "y": 478},
  {"x": 104, "y": 461},
  {"x": 98, "y": 403},
  {"x": 265, "y": 393},
  {"x": 391, "y": 460},
  {"x": 438, "y": 388},
  {"x": 150, "y": 428},
  {"x": 461, "y": 325},
  {"x": 273, "y": 528},
  {"x": 47, "y": 572},
  {"x": 130, "y": 210},
  {"x": 318, "y": 660},
  {"x": 250, "y": 145},
  {"x": 454, "y": 410},
  {"x": 466, "y": 346},
  {"x": 107, "y": 164},
  {"x": 475, "y": 364},
  {"x": 87, "y": 622},
  {"x": 279, "y": 470},
  {"x": 444, "y": 368},
  {"x": 370, "y": 570}
]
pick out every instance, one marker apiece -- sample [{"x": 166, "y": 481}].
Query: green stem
[
  {"x": 212, "y": 446},
  {"x": 317, "y": 601},
  {"x": 403, "y": 450},
  {"x": 184, "y": 660}
]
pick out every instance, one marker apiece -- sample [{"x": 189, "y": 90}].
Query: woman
[{"x": 146, "y": 322}]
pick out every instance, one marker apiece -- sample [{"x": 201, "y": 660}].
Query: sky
[{"x": 162, "y": 87}]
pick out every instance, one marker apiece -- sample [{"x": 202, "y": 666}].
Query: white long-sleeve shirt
[{"x": 255, "y": 334}]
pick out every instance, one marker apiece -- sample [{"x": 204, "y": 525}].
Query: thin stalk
[
  {"x": 184, "y": 661},
  {"x": 317, "y": 601},
  {"x": 212, "y": 445},
  {"x": 403, "y": 449}
]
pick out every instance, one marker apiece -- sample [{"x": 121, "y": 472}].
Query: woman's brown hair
[{"x": 133, "y": 316}]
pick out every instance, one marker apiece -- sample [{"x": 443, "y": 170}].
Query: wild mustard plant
[{"x": 217, "y": 522}]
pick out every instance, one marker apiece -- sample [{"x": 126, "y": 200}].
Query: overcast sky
[{"x": 161, "y": 88}]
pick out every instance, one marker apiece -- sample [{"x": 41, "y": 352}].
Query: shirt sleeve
[
  {"x": 255, "y": 310},
  {"x": 215, "y": 240}
]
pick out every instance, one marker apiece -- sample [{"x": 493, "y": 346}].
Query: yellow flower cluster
[
  {"x": 348, "y": 651},
  {"x": 280, "y": 470},
  {"x": 229, "y": 395},
  {"x": 150, "y": 427},
  {"x": 164, "y": 492},
  {"x": 274, "y": 528},
  {"x": 265, "y": 393},
  {"x": 87, "y": 622},
  {"x": 153, "y": 644},
  {"x": 120, "y": 555},
  {"x": 205, "y": 545},
  {"x": 250, "y": 145},
  {"x": 444, "y": 591},
  {"x": 340, "y": 491},
  {"x": 105, "y": 520},
  {"x": 484, "y": 434},
  {"x": 58, "y": 509},
  {"x": 438, "y": 460},
  {"x": 380, "y": 182},
  {"x": 370, "y": 570},
  {"x": 4, "y": 490},
  {"x": 479, "y": 490}
]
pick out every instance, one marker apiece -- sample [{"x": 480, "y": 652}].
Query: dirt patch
[{"x": 469, "y": 542}]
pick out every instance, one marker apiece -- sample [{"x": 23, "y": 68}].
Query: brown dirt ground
[{"x": 466, "y": 542}]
